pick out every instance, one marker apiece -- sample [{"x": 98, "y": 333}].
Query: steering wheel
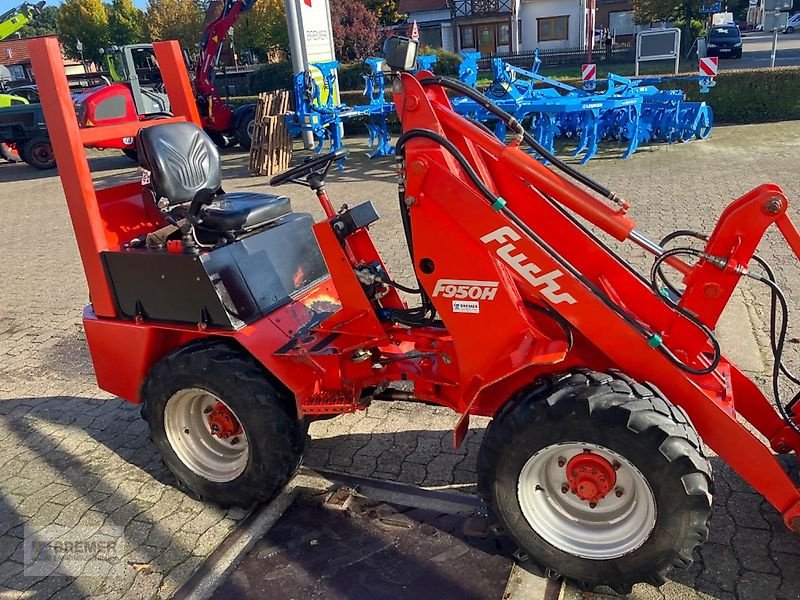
[{"x": 313, "y": 165}]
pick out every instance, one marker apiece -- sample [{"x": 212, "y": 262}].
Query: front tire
[
  {"x": 38, "y": 152},
  {"x": 598, "y": 479},
  {"x": 222, "y": 428}
]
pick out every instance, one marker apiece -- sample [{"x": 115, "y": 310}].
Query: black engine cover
[{"x": 228, "y": 287}]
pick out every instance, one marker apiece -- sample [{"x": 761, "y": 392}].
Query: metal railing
[{"x": 565, "y": 57}]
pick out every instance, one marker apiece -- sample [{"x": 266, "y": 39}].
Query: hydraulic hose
[{"x": 652, "y": 338}]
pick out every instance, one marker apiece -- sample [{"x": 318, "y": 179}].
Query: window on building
[
  {"x": 431, "y": 36},
  {"x": 467, "y": 37},
  {"x": 621, "y": 22},
  {"x": 17, "y": 72},
  {"x": 504, "y": 34},
  {"x": 552, "y": 29}
]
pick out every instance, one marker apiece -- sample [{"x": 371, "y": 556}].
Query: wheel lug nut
[
  {"x": 592, "y": 504},
  {"x": 234, "y": 441},
  {"x": 616, "y": 465},
  {"x": 207, "y": 410},
  {"x": 564, "y": 488},
  {"x": 186, "y": 431},
  {"x": 561, "y": 461},
  {"x": 618, "y": 492}
]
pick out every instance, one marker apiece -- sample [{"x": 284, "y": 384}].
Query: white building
[{"x": 486, "y": 25}]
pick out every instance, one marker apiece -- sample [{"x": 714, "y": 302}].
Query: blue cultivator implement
[
  {"x": 624, "y": 110},
  {"x": 318, "y": 112}
]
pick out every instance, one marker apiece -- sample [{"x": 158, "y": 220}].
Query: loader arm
[
  {"x": 16, "y": 18},
  {"x": 214, "y": 35},
  {"x": 524, "y": 217}
]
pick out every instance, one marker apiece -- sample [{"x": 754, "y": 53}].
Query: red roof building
[{"x": 15, "y": 57}]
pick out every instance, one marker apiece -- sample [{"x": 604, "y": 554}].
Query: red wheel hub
[
  {"x": 590, "y": 476},
  {"x": 222, "y": 422}
]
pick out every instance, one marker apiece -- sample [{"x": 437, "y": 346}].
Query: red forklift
[
  {"x": 234, "y": 321},
  {"x": 137, "y": 94}
]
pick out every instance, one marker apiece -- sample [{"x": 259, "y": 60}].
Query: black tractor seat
[
  {"x": 243, "y": 211},
  {"x": 181, "y": 160}
]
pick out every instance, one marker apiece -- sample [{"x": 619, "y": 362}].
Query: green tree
[
  {"x": 45, "y": 24},
  {"x": 263, "y": 28},
  {"x": 87, "y": 21},
  {"x": 125, "y": 22},
  {"x": 385, "y": 11},
  {"x": 175, "y": 20}
]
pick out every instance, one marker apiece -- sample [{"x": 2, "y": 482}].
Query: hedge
[
  {"x": 740, "y": 96},
  {"x": 753, "y": 95}
]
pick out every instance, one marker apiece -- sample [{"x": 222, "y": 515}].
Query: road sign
[
  {"x": 658, "y": 44},
  {"x": 777, "y": 5},
  {"x": 776, "y": 21},
  {"x": 413, "y": 31},
  {"x": 709, "y": 66},
  {"x": 589, "y": 76},
  {"x": 715, "y": 7}
]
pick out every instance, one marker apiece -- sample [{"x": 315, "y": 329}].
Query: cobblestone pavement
[{"x": 73, "y": 456}]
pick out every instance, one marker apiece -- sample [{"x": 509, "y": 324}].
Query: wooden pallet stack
[{"x": 271, "y": 150}]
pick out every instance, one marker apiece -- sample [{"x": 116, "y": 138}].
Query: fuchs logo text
[
  {"x": 544, "y": 282},
  {"x": 466, "y": 290}
]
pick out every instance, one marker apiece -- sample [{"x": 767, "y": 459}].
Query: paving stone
[
  {"x": 744, "y": 508},
  {"x": 721, "y": 566},
  {"x": 757, "y": 586},
  {"x": 752, "y": 550}
]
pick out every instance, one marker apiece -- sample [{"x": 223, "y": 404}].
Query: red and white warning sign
[
  {"x": 709, "y": 66},
  {"x": 589, "y": 72},
  {"x": 413, "y": 31}
]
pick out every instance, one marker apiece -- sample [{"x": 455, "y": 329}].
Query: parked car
[
  {"x": 724, "y": 41},
  {"x": 794, "y": 23}
]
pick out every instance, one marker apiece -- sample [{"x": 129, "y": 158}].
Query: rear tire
[
  {"x": 245, "y": 128},
  {"x": 249, "y": 467},
  {"x": 38, "y": 152},
  {"x": 655, "y": 450}
]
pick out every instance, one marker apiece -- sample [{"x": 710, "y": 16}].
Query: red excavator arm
[{"x": 214, "y": 36}]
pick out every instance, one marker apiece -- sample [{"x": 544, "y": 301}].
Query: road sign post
[
  {"x": 776, "y": 19},
  {"x": 589, "y": 76},
  {"x": 659, "y": 44}
]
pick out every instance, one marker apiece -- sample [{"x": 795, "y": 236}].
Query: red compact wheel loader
[{"x": 235, "y": 321}]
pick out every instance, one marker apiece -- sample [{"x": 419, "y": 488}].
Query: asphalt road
[{"x": 758, "y": 49}]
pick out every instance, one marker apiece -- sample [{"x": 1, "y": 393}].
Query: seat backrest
[{"x": 181, "y": 159}]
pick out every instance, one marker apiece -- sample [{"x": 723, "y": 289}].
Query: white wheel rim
[
  {"x": 190, "y": 436},
  {"x": 616, "y": 526}
]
